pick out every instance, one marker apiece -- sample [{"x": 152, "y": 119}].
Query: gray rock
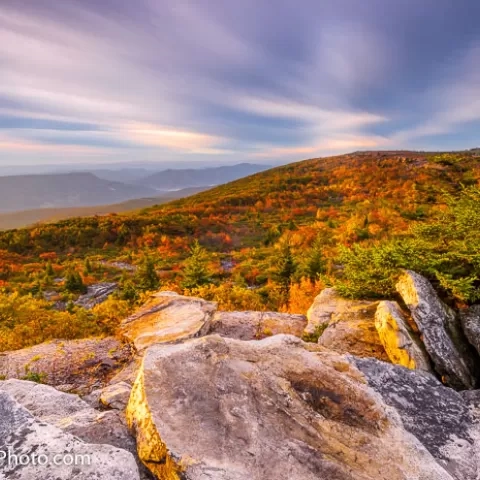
[
  {"x": 116, "y": 396},
  {"x": 438, "y": 416},
  {"x": 470, "y": 320},
  {"x": 96, "y": 294},
  {"x": 48, "y": 453},
  {"x": 272, "y": 409},
  {"x": 452, "y": 356}
]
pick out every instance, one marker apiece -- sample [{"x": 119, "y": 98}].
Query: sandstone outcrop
[
  {"x": 76, "y": 365},
  {"x": 402, "y": 345},
  {"x": 278, "y": 408},
  {"x": 441, "y": 331},
  {"x": 470, "y": 319},
  {"x": 116, "y": 395},
  {"x": 256, "y": 325},
  {"x": 52, "y": 453},
  {"x": 168, "y": 317},
  {"x": 345, "y": 326}
]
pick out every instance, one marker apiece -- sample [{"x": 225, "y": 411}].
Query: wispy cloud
[{"x": 178, "y": 78}]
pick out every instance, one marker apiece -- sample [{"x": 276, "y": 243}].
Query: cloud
[{"x": 232, "y": 79}]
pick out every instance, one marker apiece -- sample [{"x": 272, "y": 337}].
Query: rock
[
  {"x": 96, "y": 294},
  {"x": 256, "y": 325},
  {"x": 345, "y": 326},
  {"x": 48, "y": 453},
  {"x": 168, "y": 317},
  {"x": 273, "y": 409},
  {"x": 470, "y": 320},
  {"x": 73, "y": 415},
  {"x": 116, "y": 396},
  {"x": 441, "y": 418},
  {"x": 79, "y": 365},
  {"x": 402, "y": 345},
  {"x": 441, "y": 333}
]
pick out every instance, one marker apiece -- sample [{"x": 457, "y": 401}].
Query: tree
[
  {"x": 195, "y": 271},
  {"x": 286, "y": 268},
  {"x": 87, "y": 267},
  {"x": 313, "y": 263},
  {"x": 74, "y": 282},
  {"x": 147, "y": 277},
  {"x": 49, "y": 270}
]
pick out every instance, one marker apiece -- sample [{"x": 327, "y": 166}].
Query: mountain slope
[
  {"x": 170, "y": 179},
  {"x": 62, "y": 190}
]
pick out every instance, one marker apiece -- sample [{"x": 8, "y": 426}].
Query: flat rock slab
[
  {"x": 444, "y": 340},
  {"x": 74, "y": 365},
  {"x": 274, "y": 409},
  {"x": 168, "y": 317},
  {"x": 62, "y": 455},
  {"x": 256, "y": 325}
]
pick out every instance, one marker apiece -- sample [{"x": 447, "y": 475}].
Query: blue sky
[{"x": 251, "y": 80}]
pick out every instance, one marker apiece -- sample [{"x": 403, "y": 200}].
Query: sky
[{"x": 261, "y": 81}]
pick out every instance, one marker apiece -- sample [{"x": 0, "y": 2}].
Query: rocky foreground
[{"x": 379, "y": 391}]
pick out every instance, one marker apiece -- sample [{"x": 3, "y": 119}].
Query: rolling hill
[{"x": 25, "y": 218}]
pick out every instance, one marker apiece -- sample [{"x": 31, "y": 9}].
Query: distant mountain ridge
[{"x": 182, "y": 178}]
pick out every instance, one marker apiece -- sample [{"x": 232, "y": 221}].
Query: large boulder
[
  {"x": 76, "y": 365},
  {"x": 470, "y": 319},
  {"x": 32, "y": 449},
  {"x": 257, "y": 325},
  {"x": 274, "y": 409},
  {"x": 345, "y": 326},
  {"x": 168, "y": 317},
  {"x": 452, "y": 356},
  {"x": 444, "y": 421},
  {"x": 401, "y": 343}
]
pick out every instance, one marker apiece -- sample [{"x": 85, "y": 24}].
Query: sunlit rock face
[
  {"x": 168, "y": 317},
  {"x": 346, "y": 326},
  {"x": 281, "y": 409},
  {"x": 453, "y": 358},
  {"x": 402, "y": 344}
]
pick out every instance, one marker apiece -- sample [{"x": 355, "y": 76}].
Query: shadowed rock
[{"x": 470, "y": 319}]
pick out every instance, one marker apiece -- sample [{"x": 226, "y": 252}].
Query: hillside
[
  {"x": 182, "y": 178},
  {"x": 25, "y": 218},
  {"x": 23, "y": 192},
  {"x": 270, "y": 241}
]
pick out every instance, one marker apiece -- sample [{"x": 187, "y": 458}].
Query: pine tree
[
  {"x": 286, "y": 268},
  {"x": 195, "y": 272},
  {"x": 147, "y": 276},
  {"x": 74, "y": 282},
  {"x": 314, "y": 264},
  {"x": 87, "y": 267},
  {"x": 49, "y": 270}
]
